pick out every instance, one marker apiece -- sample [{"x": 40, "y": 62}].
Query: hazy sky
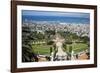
[{"x": 54, "y": 13}]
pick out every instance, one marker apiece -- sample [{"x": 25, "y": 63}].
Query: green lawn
[
  {"x": 41, "y": 49},
  {"x": 78, "y": 47},
  {"x": 45, "y": 49}
]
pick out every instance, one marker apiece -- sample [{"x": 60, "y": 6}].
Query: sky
[{"x": 53, "y": 13}]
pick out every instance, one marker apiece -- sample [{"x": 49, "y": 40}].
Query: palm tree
[{"x": 28, "y": 54}]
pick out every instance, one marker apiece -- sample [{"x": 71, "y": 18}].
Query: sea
[{"x": 73, "y": 20}]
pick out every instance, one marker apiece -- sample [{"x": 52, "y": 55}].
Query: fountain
[{"x": 60, "y": 54}]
